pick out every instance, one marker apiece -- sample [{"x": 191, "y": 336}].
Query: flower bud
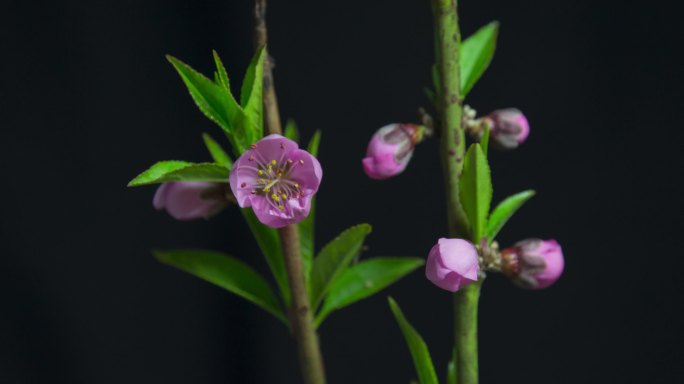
[
  {"x": 452, "y": 263},
  {"x": 533, "y": 263},
  {"x": 390, "y": 150},
  {"x": 508, "y": 128},
  {"x": 189, "y": 200}
]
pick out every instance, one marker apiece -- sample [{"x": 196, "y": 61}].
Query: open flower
[
  {"x": 452, "y": 263},
  {"x": 390, "y": 150},
  {"x": 533, "y": 263},
  {"x": 189, "y": 200},
  {"x": 276, "y": 179}
]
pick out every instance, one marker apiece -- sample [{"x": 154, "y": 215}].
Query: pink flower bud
[
  {"x": 533, "y": 263},
  {"x": 277, "y": 180},
  {"x": 390, "y": 150},
  {"x": 452, "y": 263},
  {"x": 508, "y": 128},
  {"x": 191, "y": 200}
]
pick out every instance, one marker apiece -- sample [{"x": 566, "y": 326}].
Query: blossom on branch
[{"x": 277, "y": 180}]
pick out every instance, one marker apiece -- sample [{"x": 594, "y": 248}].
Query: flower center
[{"x": 274, "y": 180}]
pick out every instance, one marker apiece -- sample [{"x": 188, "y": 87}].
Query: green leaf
[
  {"x": 435, "y": 78},
  {"x": 291, "y": 131},
  {"x": 167, "y": 171},
  {"x": 476, "y": 54},
  {"x": 269, "y": 243},
  {"x": 419, "y": 350},
  {"x": 365, "y": 279},
  {"x": 306, "y": 226},
  {"x": 484, "y": 141},
  {"x": 314, "y": 143},
  {"x": 221, "y": 74},
  {"x": 476, "y": 190},
  {"x": 217, "y": 153},
  {"x": 333, "y": 259},
  {"x": 228, "y": 273},
  {"x": 504, "y": 211},
  {"x": 251, "y": 97},
  {"x": 214, "y": 101},
  {"x": 451, "y": 368},
  {"x": 306, "y": 241}
]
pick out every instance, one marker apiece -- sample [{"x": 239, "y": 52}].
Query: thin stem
[
  {"x": 301, "y": 317},
  {"x": 450, "y": 108},
  {"x": 271, "y": 111},
  {"x": 449, "y": 104},
  {"x": 465, "y": 333}
]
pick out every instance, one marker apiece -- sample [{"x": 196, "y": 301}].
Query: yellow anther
[
  {"x": 284, "y": 196},
  {"x": 273, "y": 162},
  {"x": 280, "y": 174},
  {"x": 273, "y": 196},
  {"x": 267, "y": 189},
  {"x": 296, "y": 185},
  {"x": 260, "y": 172},
  {"x": 281, "y": 207}
]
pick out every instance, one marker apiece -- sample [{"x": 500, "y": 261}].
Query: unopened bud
[
  {"x": 390, "y": 150},
  {"x": 452, "y": 263},
  {"x": 533, "y": 263},
  {"x": 188, "y": 200},
  {"x": 508, "y": 128}
]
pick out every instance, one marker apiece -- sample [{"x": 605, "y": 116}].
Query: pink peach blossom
[
  {"x": 277, "y": 180},
  {"x": 452, "y": 263},
  {"x": 390, "y": 150},
  {"x": 189, "y": 200},
  {"x": 508, "y": 128},
  {"x": 534, "y": 263}
]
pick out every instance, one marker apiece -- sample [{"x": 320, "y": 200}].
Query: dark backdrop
[{"x": 88, "y": 101}]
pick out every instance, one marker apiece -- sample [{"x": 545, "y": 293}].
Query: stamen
[
  {"x": 281, "y": 207},
  {"x": 273, "y": 162},
  {"x": 260, "y": 172}
]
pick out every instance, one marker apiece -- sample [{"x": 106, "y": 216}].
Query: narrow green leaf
[
  {"x": 291, "y": 131},
  {"x": 251, "y": 97},
  {"x": 333, "y": 259},
  {"x": 419, "y": 350},
  {"x": 504, "y": 211},
  {"x": 213, "y": 100},
  {"x": 484, "y": 141},
  {"x": 435, "y": 78},
  {"x": 314, "y": 143},
  {"x": 476, "y": 190},
  {"x": 451, "y": 368},
  {"x": 365, "y": 279},
  {"x": 307, "y": 226},
  {"x": 167, "y": 171},
  {"x": 221, "y": 72},
  {"x": 306, "y": 241},
  {"x": 476, "y": 54},
  {"x": 269, "y": 243},
  {"x": 217, "y": 153},
  {"x": 228, "y": 273}
]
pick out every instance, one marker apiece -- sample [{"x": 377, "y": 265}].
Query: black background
[{"x": 88, "y": 101}]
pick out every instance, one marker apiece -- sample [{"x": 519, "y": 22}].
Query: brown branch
[{"x": 301, "y": 317}]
